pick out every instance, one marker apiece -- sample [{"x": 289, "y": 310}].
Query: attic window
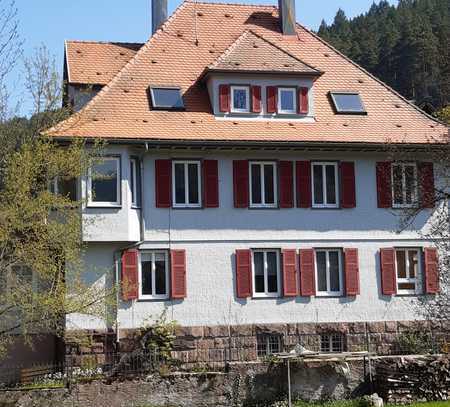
[
  {"x": 347, "y": 103},
  {"x": 165, "y": 98}
]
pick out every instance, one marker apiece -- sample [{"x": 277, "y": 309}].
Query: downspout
[{"x": 118, "y": 252}]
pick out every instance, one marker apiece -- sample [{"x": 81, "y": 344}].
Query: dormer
[{"x": 255, "y": 79}]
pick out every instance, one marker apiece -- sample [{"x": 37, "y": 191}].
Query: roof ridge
[
  {"x": 225, "y": 3},
  {"x": 104, "y": 42},
  {"x": 102, "y": 91},
  {"x": 385, "y": 85}
]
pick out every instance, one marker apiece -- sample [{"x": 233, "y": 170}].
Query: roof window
[
  {"x": 347, "y": 103},
  {"x": 166, "y": 98}
]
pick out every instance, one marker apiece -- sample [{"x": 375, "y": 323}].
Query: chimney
[
  {"x": 286, "y": 9},
  {"x": 159, "y": 13}
]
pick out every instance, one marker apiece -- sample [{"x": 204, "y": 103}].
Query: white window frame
[
  {"x": 266, "y": 294},
  {"x": 247, "y": 99},
  {"x": 408, "y": 280},
  {"x": 154, "y": 296},
  {"x": 186, "y": 183},
  {"x": 324, "y": 164},
  {"x": 263, "y": 203},
  {"x": 329, "y": 293},
  {"x": 415, "y": 194},
  {"x": 289, "y": 89},
  {"x": 118, "y": 184},
  {"x": 135, "y": 184},
  {"x": 266, "y": 339}
]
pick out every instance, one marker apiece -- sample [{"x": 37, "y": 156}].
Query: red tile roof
[
  {"x": 96, "y": 63},
  {"x": 252, "y": 53},
  {"x": 192, "y": 39}
]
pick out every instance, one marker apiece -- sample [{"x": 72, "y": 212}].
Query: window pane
[
  {"x": 345, "y": 102},
  {"x": 321, "y": 271},
  {"x": 269, "y": 192},
  {"x": 240, "y": 99},
  {"x": 287, "y": 100},
  {"x": 337, "y": 343},
  {"x": 401, "y": 264},
  {"x": 180, "y": 197},
  {"x": 409, "y": 184},
  {"x": 132, "y": 186},
  {"x": 193, "y": 183},
  {"x": 406, "y": 286},
  {"x": 274, "y": 344},
  {"x": 68, "y": 187},
  {"x": 272, "y": 272},
  {"x": 256, "y": 184},
  {"x": 259, "y": 272},
  {"x": 413, "y": 263},
  {"x": 160, "y": 274},
  {"x": 331, "y": 184},
  {"x": 104, "y": 181},
  {"x": 397, "y": 180},
  {"x": 170, "y": 98},
  {"x": 334, "y": 271},
  {"x": 318, "y": 184},
  {"x": 146, "y": 277},
  {"x": 325, "y": 344}
]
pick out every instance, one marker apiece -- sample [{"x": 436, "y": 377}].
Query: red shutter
[
  {"x": 384, "y": 190},
  {"x": 178, "y": 274},
  {"x": 163, "y": 183},
  {"x": 348, "y": 185},
  {"x": 388, "y": 278},
  {"x": 272, "y": 99},
  {"x": 130, "y": 289},
  {"x": 431, "y": 271},
  {"x": 303, "y": 105},
  {"x": 307, "y": 273},
  {"x": 286, "y": 171},
  {"x": 303, "y": 181},
  {"x": 224, "y": 98},
  {"x": 240, "y": 183},
  {"x": 426, "y": 180},
  {"x": 351, "y": 272},
  {"x": 256, "y": 99},
  {"x": 210, "y": 184},
  {"x": 290, "y": 273},
  {"x": 243, "y": 273}
]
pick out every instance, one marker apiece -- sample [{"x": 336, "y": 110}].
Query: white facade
[{"x": 211, "y": 237}]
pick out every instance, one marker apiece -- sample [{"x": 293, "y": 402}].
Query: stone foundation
[{"x": 223, "y": 344}]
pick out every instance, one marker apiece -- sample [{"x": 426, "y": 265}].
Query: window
[
  {"x": 186, "y": 184},
  {"x": 154, "y": 275},
  {"x": 18, "y": 276},
  {"x": 266, "y": 273},
  {"x": 348, "y": 103},
  {"x": 135, "y": 182},
  {"x": 404, "y": 185},
  {"x": 268, "y": 345},
  {"x": 325, "y": 185},
  {"x": 287, "y": 100},
  {"x": 66, "y": 187},
  {"x": 407, "y": 262},
  {"x": 166, "y": 98},
  {"x": 263, "y": 187},
  {"x": 240, "y": 99},
  {"x": 104, "y": 183},
  {"x": 329, "y": 279},
  {"x": 332, "y": 343}
]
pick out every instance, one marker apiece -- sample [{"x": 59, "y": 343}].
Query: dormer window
[
  {"x": 240, "y": 99},
  {"x": 287, "y": 100}
]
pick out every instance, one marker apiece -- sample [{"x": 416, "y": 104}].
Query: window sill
[
  {"x": 104, "y": 205},
  {"x": 330, "y": 295},
  {"x": 153, "y": 298},
  {"x": 262, "y": 296},
  {"x": 263, "y": 207},
  {"x": 325, "y": 207}
]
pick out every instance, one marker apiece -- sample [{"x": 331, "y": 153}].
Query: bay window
[{"x": 104, "y": 182}]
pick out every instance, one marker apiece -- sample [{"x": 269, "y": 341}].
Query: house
[{"x": 247, "y": 187}]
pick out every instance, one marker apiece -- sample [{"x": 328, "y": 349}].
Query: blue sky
[{"x": 50, "y": 22}]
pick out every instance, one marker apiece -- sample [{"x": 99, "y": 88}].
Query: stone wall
[{"x": 219, "y": 344}]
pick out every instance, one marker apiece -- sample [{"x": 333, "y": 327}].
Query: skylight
[
  {"x": 348, "y": 103},
  {"x": 165, "y": 98}
]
